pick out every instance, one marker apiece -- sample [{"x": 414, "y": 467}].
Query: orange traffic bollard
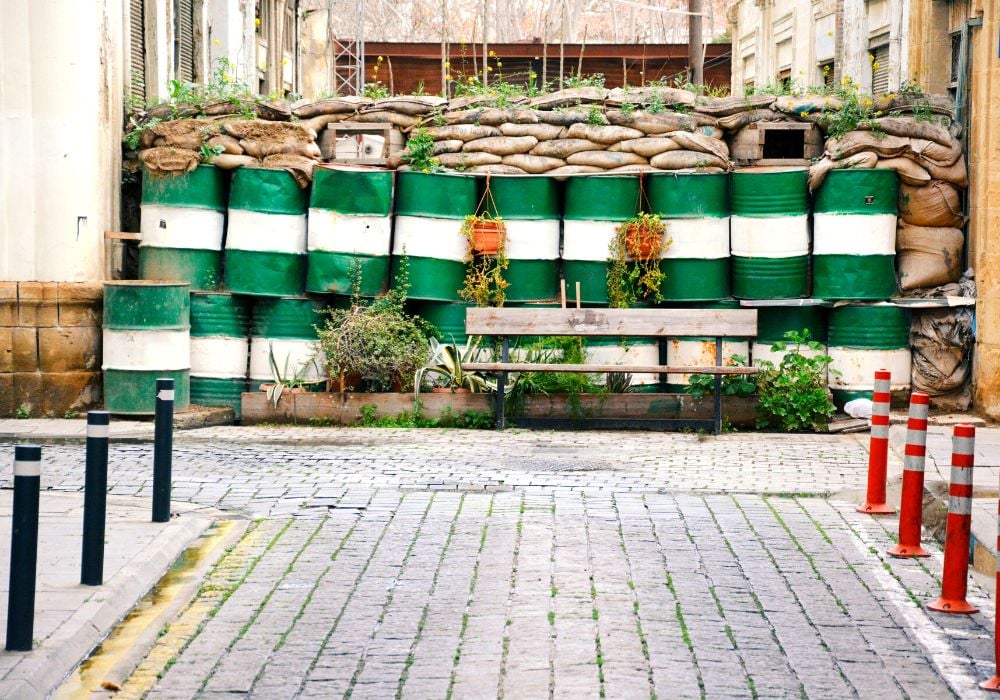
[
  {"x": 994, "y": 682},
  {"x": 955, "y": 581},
  {"x": 878, "y": 451},
  {"x": 911, "y": 505}
]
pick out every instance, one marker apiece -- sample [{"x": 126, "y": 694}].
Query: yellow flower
[
  {"x": 217, "y": 42},
  {"x": 826, "y": 101},
  {"x": 472, "y": 79},
  {"x": 493, "y": 54},
  {"x": 533, "y": 75},
  {"x": 499, "y": 64},
  {"x": 489, "y": 69},
  {"x": 225, "y": 76},
  {"x": 448, "y": 76},
  {"x": 447, "y": 64},
  {"x": 803, "y": 114},
  {"x": 871, "y": 58},
  {"x": 284, "y": 61},
  {"x": 875, "y": 65},
  {"x": 256, "y": 22}
]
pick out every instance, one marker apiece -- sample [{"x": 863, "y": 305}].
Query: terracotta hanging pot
[
  {"x": 486, "y": 235},
  {"x": 642, "y": 241}
]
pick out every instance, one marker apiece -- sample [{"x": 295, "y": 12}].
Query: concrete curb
[{"x": 45, "y": 667}]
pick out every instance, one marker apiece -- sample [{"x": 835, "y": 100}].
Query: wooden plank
[
  {"x": 122, "y": 236},
  {"x": 675, "y": 323},
  {"x": 600, "y": 369}
]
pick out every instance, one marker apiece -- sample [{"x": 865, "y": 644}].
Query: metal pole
[
  {"x": 163, "y": 443},
  {"x": 95, "y": 498},
  {"x": 24, "y": 547},
  {"x": 696, "y": 49}
]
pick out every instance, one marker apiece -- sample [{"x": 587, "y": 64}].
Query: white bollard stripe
[
  {"x": 98, "y": 431},
  {"x": 702, "y": 239},
  {"x": 854, "y": 234},
  {"x": 880, "y": 431},
  {"x": 963, "y": 445},
  {"x": 883, "y": 385},
  {"x": 272, "y": 233},
  {"x": 334, "y": 232},
  {"x": 428, "y": 237},
  {"x": 181, "y": 227},
  {"x": 912, "y": 463},
  {"x": 165, "y": 394},
  {"x": 880, "y": 408},
  {"x": 770, "y": 236},
  {"x": 920, "y": 411},
  {"x": 959, "y": 505},
  {"x": 23, "y": 468}
]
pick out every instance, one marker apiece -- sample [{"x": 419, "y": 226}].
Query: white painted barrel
[
  {"x": 288, "y": 325},
  {"x": 864, "y": 338}
]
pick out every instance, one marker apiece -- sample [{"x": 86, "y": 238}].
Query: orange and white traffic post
[
  {"x": 878, "y": 450},
  {"x": 911, "y": 505},
  {"x": 955, "y": 580},
  {"x": 994, "y": 682}
]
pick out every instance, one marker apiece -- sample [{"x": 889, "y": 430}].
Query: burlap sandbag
[
  {"x": 646, "y": 95},
  {"x": 222, "y": 108},
  {"x": 937, "y": 204},
  {"x": 605, "y": 159},
  {"x": 649, "y": 146},
  {"x": 640, "y": 168},
  {"x": 700, "y": 142},
  {"x": 569, "y": 97},
  {"x": 955, "y": 174},
  {"x": 735, "y": 122},
  {"x": 467, "y": 160},
  {"x": 491, "y": 116},
  {"x": 942, "y": 340},
  {"x": 900, "y": 126},
  {"x": 726, "y": 106},
  {"x": 533, "y": 164},
  {"x": 263, "y": 130},
  {"x": 319, "y": 123},
  {"x": 653, "y": 123},
  {"x": 933, "y": 153},
  {"x": 263, "y": 149},
  {"x": 575, "y": 170},
  {"x": 227, "y": 143},
  {"x": 501, "y": 145},
  {"x": 185, "y": 133},
  {"x": 797, "y": 105},
  {"x": 603, "y": 134},
  {"x": 299, "y": 167},
  {"x": 398, "y": 158},
  {"x": 941, "y": 105},
  {"x": 926, "y": 257},
  {"x": 412, "y": 105},
  {"x": 542, "y": 132},
  {"x": 463, "y": 132},
  {"x": 564, "y": 148},
  {"x": 472, "y": 101},
  {"x": 462, "y": 116},
  {"x": 403, "y": 121},
  {"x": 681, "y": 160},
  {"x": 819, "y": 170},
  {"x": 169, "y": 160},
  {"x": 498, "y": 170},
  {"x": 908, "y": 170},
  {"x": 711, "y": 131},
  {"x": 447, "y": 146},
  {"x": 333, "y": 105},
  {"x": 230, "y": 161},
  {"x": 274, "y": 110},
  {"x": 857, "y": 141},
  {"x": 563, "y": 117}
]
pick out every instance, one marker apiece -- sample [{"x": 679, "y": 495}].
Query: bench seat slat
[
  {"x": 675, "y": 323},
  {"x": 597, "y": 369}
]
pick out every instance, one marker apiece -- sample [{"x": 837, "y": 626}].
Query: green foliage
[
  {"x": 23, "y": 411},
  {"x": 655, "y": 104},
  {"x": 376, "y": 90},
  {"x": 595, "y": 117},
  {"x": 578, "y": 81},
  {"x": 630, "y": 278},
  {"x": 133, "y": 135},
  {"x": 376, "y": 340},
  {"x": 626, "y": 109},
  {"x": 793, "y": 395},
  {"x": 468, "y": 420},
  {"x": 484, "y": 283},
  {"x": 446, "y": 363},
  {"x": 419, "y": 150},
  {"x": 209, "y": 152},
  {"x": 700, "y": 385},
  {"x": 289, "y": 377},
  {"x": 554, "y": 350}
]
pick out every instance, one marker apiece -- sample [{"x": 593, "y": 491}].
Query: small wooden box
[{"x": 777, "y": 143}]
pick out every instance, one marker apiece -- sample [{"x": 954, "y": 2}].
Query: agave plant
[
  {"x": 288, "y": 379},
  {"x": 447, "y": 360}
]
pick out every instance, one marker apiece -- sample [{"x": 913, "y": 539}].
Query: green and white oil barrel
[
  {"x": 700, "y": 351},
  {"x": 594, "y": 207},
  {"x": 286, "y": 327},
  {"x": 146, "y": 337},
  {"x": 447, "y": 318},
  {"x": 529, "y": 207},
  {"x": 182, "y": 219},
  {"x": 220, "y": 325},
  {"x": 627, "y": 352},
  {"x": 350, "y": 227},
  {"x": 854, "y": 235},
  {"x": 773, "y": 322},
  {"x": 864, "y": 338},
  {"x": 430, "y": 211},
  {"x": 266, "y": 234},
  {"x": 695, "y": 208},
  {"x": 770, "y": 233}
]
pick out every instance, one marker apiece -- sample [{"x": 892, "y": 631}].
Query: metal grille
[
  {"x": 184, "y": 69},
  {"x": 137, "y": 51},
  {"x": 880, "y": 70}
]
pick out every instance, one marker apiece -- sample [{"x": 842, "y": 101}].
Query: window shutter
[
  {"x": 137, "y": 51},
  {"x": 880, "y": 75},
  {"x": 184, "y": 41}
]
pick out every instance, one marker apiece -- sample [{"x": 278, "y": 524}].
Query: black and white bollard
[
  {"x": 163, "y": 446},
  {"x": 24, "y": 547},
  {"x": 95, "y": 498}
]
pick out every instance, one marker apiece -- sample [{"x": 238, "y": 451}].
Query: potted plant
[
  {"x": 485, "y": 233},
  {"x": 287, "y": 380},
  {"x": 486, "y": 260},
  {"x": 634, "y": 272},
  {"x": 446, "y": 363}
]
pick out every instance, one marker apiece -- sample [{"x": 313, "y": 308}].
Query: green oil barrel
[
  {"x": 220, "y": 325},
  {"x": 864, "y": 338}
]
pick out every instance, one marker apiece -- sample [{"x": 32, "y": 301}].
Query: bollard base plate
[
  {"x": 955, "y": 607},
  {"x": 992, "y": 684},
  {"x": 906, "y": 551},
  {"x": 877, "y": 509}
]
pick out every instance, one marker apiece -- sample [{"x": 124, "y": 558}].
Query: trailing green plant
[
  {"x": 595, "y": 117},
  {"x": 700, "y": 385},
  {"x": 446, "y": 364},
  {"x": 419, "y": 152},
  {"x": 134, "y": 134},
  {"x": 793, "y": 396},
  {"x": 578, "y": 81},
  {"x": 634, "y": 272},
  {"x": 375, "y": 340},
  {"x": 484, "y": 283},
  {"x": 289, "y": 377}
]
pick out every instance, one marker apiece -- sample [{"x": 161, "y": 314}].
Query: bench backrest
[{"x": 677, "y": 323}]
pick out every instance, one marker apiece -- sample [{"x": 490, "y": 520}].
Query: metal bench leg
[
  {"x": 502, "y": 384},
  {"x": 718, "y": 387}
]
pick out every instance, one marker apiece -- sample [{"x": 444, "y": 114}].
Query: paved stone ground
[{"x": 436, "y": 564}]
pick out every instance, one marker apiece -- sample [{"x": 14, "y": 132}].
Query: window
[
  {"x": 785, "y": 79},
  {"x": 826, "y": 73},
  {"x": 956, "y": 64},
  {"x": 137, "y": 51},
  {"x": 184, "y": 62},
  {"x": 880, "y": 69}
]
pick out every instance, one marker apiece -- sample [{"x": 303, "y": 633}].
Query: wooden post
[
  {"x": 578, "y": 294},
  {"x": 696, "y": 51},
  {"x": 562, "y": 292}
]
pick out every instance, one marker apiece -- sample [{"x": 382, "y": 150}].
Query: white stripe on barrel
[
  {"x": 275, "y": 233},
  {"x": 854, "y": 234},
  {"x": 770, "y": 236},
  {"x": 588, "y": 240},
  {"x": 857, "y": 366},
  {"x": 219, "y": 357},
  {"x": 334, "y": 232},
  {"x": 428, "y": 237},
  {"x": 181, "y": 227},
  {"x": 146, "y": 349},
  {"x": 704, "y": 239},
  {"x": 532, "y": 240},
  {"x": 288, "y": 352}
]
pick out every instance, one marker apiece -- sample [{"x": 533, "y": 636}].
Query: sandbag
[
  {"x": 463, "y": 132},
  {"x": 469, "y": 101},
  {"x": 447, "y": 146},
  {"x": 262, "y": 149},
  {"x": 819, "y": 169},
  {"x": 575, "y": 170},
  {"x": 298, "y": 167},
  {"x": 501, "y": 145},
  {"x": 227, "y": 143},
  {"x": 735, "y": 122},
  {"x": 224, "y": 108},
  {"x": 230, "y": 161},
  {"x": 605, "y": 159},
  {"x": 467, "y": 160},
  {"x": 646, "y": 95},
  {"x": 563, "y": 148},
  {"x": 711, "y": 131},
  {"x": 926, "y": 257},
  {"x": 462, "y": 116},
  {"x": 318, "y": 123},
  {"x": 169, "y": 160},
  {"x": 955, "y": 174},
  {"x": 533, "y": 164},
  {"x": 603, "y": 134},
  {"x": 907, "y": 102},
  {"x": 640, "y": 168},
  {"x": 798, "y": 105},
  {"x": 498, "y": 170},
  {"x": 273, "y": 110},
  {"x": 653, "y": 123},
  {"x": 941, "y": 342},
  {"x": 185, "y": 133},
  {"x": 937, "y": 204},
  {"x": 933, "y": 153},
  {"x": 681, "y": 160},
  {"x": 899, "y": 126},
  {"x": 542, "y": 132},
  {"x": 649, "y": 146},
  {"x": 403, "y": 121},
  {"x": 856, "y": 141},
  {"x": 726, "y": 106},
  {"x": 492, "y": 116},
  {"x": 909, "y": 171},
  {"x": 263, "y": 130},
  {"x": 412, "y": 105},
  {"x": 397, "y": 158},
  {"x": 699, "y": 142},
  {"x": 563, "y": 117},
  {"x": 569, "y": 97},
  {"x": 333, "y": 105}
]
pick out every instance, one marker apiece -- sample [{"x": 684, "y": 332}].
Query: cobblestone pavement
[{"x": 436, "y": 564}]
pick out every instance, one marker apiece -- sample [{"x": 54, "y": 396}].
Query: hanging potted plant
[
  {"x": 634, "y": 272},
  {"x": 485, "y": 259},
  {"x": 485, "y": 233}
]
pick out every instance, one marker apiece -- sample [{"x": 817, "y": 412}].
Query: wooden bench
[{"x": 659, "y": 323}]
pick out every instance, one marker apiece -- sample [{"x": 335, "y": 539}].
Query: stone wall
[{"x": 50, "y": 347}]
